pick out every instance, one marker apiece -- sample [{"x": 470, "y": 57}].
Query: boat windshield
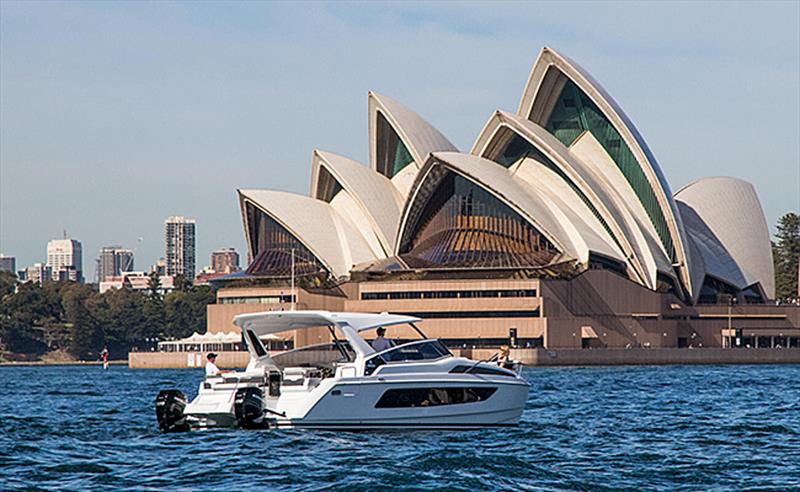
[
  {"x": 412, "y": 351},
  {"x": 321, "y": 355}
]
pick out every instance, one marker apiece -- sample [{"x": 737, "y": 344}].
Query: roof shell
[
  {"x": 633, "y": 139},
  {"x": 730, "y": 210},
  {"x": 332, "y": 239},
  {"x": 640, "y": 255},
  {"x": 377, "y": 197},
  {"x": 419, "y": 136},
  {"x": 546, "y": 213}
]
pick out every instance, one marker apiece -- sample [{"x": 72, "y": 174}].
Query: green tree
[
  {"x": 181, "y": 283},
  {"x": 185, "y": 311},
  {"x": 23, "y": 314},
  {"x": 785, "y": 254},
  {"x": 8, "y": 282},
  {"x": 120, "y": 315},
  {"x": 154, "y": 286},
  {"x": 86, "y": 336}
]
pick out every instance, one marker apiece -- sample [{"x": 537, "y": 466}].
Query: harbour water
[{"x": 616, "y": 428}]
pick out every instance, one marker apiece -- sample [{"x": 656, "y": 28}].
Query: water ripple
[{"x": 627, "y": 428}]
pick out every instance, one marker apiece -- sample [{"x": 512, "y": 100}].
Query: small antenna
[{"x": 65, "y": 233}]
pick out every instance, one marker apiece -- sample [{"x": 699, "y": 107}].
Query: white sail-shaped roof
[
  {"x": 724, "y": 217},
  {"x": 551, "y": 72},
  {"x": 419, "y": 137},
  {"x": 368, "y": 198},
  {"x": 601, "y": 202},
  {"x": 572, "y": 236},
  {"x": 333, "y": 240}
]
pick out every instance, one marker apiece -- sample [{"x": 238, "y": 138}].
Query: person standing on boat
[
  {"x": 104, "y": 357},
  {"x": 211, "y": 365},
  {"x": 380, "y": 343}
]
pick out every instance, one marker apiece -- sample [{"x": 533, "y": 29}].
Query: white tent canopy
[{"x": 206, "y": 342}]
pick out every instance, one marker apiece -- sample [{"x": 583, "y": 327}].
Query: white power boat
[{"x": 347, "y": 384}]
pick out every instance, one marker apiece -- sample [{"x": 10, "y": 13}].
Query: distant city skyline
[{"x": 122, "y": 114}]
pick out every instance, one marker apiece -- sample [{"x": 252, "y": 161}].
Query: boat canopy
[{"x": 268, "y": 322}]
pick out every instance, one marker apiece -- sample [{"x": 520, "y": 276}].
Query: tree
[
  {"x": 185, "y": 311},
  {"x": 86, "y": 336},
  {"x": 154, "y": 286},
  {"x": 785, "y": 254},
  {"x": 8, "y": 282},
  {"x": 181, "y": 283}
]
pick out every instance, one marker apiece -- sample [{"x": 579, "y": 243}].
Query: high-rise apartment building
[
  {"x": 179, "y": 234},
  {"x": 38, "y": 273},
  {"x": 8, "y": 264},
  {"x": 225, "y": 260},
  {"x": 65, "y": 259},
  {"x": 113, "y": 261}
]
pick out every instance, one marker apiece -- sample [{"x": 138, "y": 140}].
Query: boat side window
[
  {"x": 481, "y": 370},
  {"x": 431, "y": 397},
  {"x": 373, "y": 363}
]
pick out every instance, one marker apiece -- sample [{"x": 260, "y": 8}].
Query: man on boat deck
[
  {"x": 211, "y": 366},
  {"x": 380, "y": 343}
]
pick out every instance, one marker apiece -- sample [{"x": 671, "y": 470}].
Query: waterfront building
[
  {"x": 112, "y": 261},
  {"x": 8, "y": 264},
  {"x": 558, "y": 228},
  {"x": 179, "y": 234},
  {"x": 225, "y": 260},
  {"x": 65, "y": 259}
]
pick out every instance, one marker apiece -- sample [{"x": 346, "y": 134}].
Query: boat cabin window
[
  {"x": 431, "y": 397},
  {"x": 481, "y": 370},
  {"x": 412, "y": 351}
]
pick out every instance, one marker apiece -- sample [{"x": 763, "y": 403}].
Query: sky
[{"x": 116, "y": 115}]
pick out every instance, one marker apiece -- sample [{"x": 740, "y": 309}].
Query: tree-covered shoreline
[{"x": 76, "y": 318}]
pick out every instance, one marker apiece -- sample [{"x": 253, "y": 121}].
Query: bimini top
[{"x": 276, "y": 321}]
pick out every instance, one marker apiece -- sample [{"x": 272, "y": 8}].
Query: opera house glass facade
[{"x": 562, "y": 199}]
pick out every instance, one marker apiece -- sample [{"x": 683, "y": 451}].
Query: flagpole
[{"x": 294, "y": 296}]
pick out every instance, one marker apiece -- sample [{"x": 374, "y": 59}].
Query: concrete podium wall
[{"x": 185, "y": 360}]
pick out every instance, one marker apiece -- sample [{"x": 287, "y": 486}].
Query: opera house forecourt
[{"x": 557, "y": 229}]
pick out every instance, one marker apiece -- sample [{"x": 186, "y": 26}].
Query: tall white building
[
  {"x": 65, "y": 259},
  {"x": 179, "y": 235}
]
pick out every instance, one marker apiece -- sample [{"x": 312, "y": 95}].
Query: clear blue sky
[{"x": 114, "y": 116}]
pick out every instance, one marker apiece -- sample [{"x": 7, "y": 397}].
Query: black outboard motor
[
  {"x": 169, "y": 411},
  {"x": 248, "y": 406}
]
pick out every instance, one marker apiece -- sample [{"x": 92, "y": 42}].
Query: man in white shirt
[
  {"x": 211, "y": 366},
  {"x": 380, "y": 344}
]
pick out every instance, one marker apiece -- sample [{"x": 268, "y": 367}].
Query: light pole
[{"x": 731, "y": 300}]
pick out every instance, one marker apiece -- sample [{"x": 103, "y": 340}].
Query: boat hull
[{"x": 357, "y": 407}]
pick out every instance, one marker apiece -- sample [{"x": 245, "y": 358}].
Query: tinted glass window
[
  {"x": 431, "y": 397},
  {"x": 480, "y": 370},
  {"x": 427, "y": 350},
  {"x": 574, "y": 113},
  {"x": 460, "y": 224}
]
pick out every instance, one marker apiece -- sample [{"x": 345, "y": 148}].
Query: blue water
[{"x": 626, "y": 428}]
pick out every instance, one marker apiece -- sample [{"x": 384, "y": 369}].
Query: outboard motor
[
  {"x": 169, "y": 411},
  {"x": 248, "y": 406}
]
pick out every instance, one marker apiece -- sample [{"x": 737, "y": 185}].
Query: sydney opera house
[{"x": 558, "y": 228}]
